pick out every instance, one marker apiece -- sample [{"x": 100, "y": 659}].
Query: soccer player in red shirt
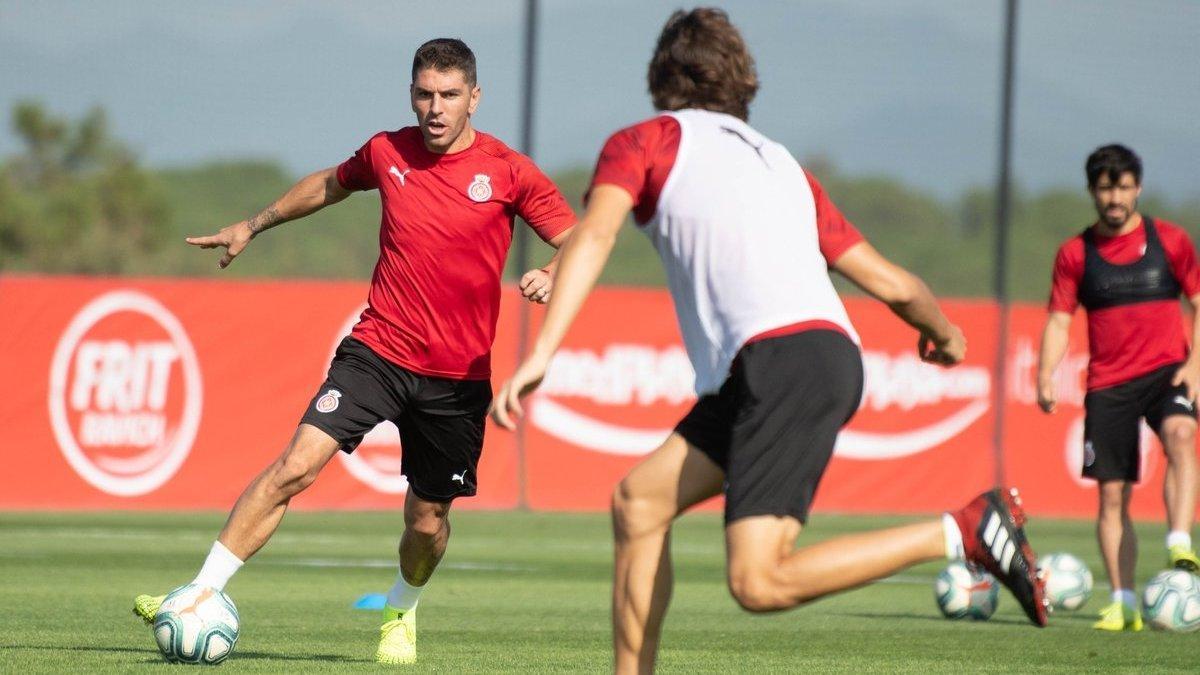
[
  {"x": 747, "y": 238},
  {"x": 1128, "y": 271},
  {"x": 420, "y": 354}
]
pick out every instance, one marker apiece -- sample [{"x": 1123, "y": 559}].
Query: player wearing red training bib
[
  {"x": 747, "y": 238},
  {"x": 1128, "y": 271},
  {"x": 420, "y": 355},
  {"x": 1126, "y": 341}
]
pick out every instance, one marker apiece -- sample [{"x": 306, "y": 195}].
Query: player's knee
[
  {"x": 634, "y": 514},
  {"x": 426, "y": 522},
  {"x": 428, "y": 526},
  {"x": 622, "y": 508},
  {"x": 293, "y": 473},
  {"x": 1113, "y": 500},
  {"x": 755, "y": 590},
  {"x": 1180, "y": 439},
  {"x": 1110, "y": 507}
]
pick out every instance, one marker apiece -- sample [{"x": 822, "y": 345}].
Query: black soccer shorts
[
  {"x": 1111, "y": 415},
  {"x": 773, "y": 423},
  {"x": 441, "y": 420}
]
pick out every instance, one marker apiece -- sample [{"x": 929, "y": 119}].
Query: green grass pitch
[{"x": 520, "y": 593}]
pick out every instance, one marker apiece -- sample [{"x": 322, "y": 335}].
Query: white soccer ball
[
  {"x": 966, "y": 592},
  {"x": 196, "y": 624},
  {"x": 1171, "y": 601},
  {"x": 1068, "y": 580}
]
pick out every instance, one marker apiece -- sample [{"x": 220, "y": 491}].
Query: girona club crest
[
  {"x": 480, "y": 189},
  {"x": 125, "y": 393},
  {"x": 329, "y": 402}
]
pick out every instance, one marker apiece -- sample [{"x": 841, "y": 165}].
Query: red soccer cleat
[{"x": 993, "y": 538}]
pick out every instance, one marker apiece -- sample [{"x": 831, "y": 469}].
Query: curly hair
[{"x": 701, "y": 61}]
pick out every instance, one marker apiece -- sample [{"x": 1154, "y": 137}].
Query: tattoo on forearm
[{"x": 264, "y": 221}]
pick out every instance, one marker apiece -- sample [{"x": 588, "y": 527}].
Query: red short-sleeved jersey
[
  {"x": 1127, "y": 341},
  {"x": 639, "y": 159},
  {"x": 446, "y": 226}
]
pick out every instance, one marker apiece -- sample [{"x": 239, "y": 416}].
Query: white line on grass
[
  {"x": 391, "y": 564},
  {"x": 142, "y": 535},
  {"x": 50, "y": 532}
]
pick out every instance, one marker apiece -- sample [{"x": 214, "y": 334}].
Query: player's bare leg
[
  {"x": 1118, "y": 548},
  {"x": 670, "y": 480},
  {"x": 767, "y": 573},
  {"x": 260, "y": 508},
  {"x": 1114, "y": 529},
  {"x": 426, "y": 534},
  {"x": 1178, "y": 435},
  {"x": 258, "y": 511}
]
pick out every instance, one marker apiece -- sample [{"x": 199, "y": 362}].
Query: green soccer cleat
[
  {"x": 397, "y": 637},
  {"x": 1117, "y": 617},
  {"x": 1183, "y": 558},
  {"x": 146, "y": 606}
]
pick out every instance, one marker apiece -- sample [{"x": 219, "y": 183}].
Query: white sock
[
  {"x": 954, "y": 540},
  {"x": 1125, "y": 596},
  {"x": 402, "y": 596},
  {"x": 1178, "y": 538},
  {"x": 219, "y": 567}
]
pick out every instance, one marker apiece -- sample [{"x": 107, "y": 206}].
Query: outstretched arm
[
  {"x": 536, "y": 284},
  {"x": 908, "y": 297},
  {"x": 583, "y": 257},
  {"x": 310, "y": 194}
]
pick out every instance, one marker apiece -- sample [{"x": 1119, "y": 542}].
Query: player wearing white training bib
[
  {"x": 747, "y": 239},
  {"x": 750, "y": 259}
]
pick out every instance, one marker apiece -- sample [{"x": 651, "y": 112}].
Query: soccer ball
[
  {"x": 1172, "y": 601},
  {"x": 966, "y": 592},
  {"x": 196, "y": 624},
  {"x": 1068, "y": 580}
]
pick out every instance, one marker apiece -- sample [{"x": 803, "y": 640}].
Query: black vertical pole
[
  {"x": 521, "y": 236},
  {"x": 1003, "y": 198}
]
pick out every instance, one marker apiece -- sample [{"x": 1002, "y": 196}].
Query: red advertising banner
[
  {"x": 919, "y": 443},
  {"x": 172, "y": 394}
]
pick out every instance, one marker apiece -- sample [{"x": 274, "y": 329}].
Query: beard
[{"x": 1116, "y": 215}]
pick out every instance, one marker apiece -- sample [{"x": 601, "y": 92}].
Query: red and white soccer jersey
[
  {"x": 1130, "y": 340},
  {"x": 445, "y": 231},
  {"x": 745, "y": 234}
]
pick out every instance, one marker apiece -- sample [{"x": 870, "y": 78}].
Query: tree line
[{"x": 76, "y": 200}]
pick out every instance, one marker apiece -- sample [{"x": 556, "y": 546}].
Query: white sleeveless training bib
[{"x": 736, "y": 229}]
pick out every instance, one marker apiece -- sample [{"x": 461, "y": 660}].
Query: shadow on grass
[
  {"x": 927, "y": 617},
  {"x": 238, "y": 655},
  {"x": 117, "y": 650},
  {"x": 1073, "y": 616},
  {"x": 265, "y": 656}
]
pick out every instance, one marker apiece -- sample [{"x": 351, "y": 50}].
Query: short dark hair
[
  {"x": 1112, "y": 161},
  {"x": 445, "y": 54},
  {"x": 701, "y": 61}
]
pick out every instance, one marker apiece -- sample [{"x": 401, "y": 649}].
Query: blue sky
[{"x": 908, "y": 88}]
